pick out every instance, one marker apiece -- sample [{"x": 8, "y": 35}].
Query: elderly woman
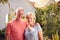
[{"x": 34, "y": 30}]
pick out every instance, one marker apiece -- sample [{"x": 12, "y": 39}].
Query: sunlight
[
  {"x": 57, "y": 0},
  {"x": 41, "y": 3}
]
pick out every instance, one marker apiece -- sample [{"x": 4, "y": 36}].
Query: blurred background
[{"x": 47, "y": 14}]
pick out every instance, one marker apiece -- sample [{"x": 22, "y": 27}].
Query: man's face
[{"x": 20, "y": 13}]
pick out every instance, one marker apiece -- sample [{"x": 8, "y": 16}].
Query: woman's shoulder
[
  {"x": 38, "y": 27},
  {"x": 37, "y": 24}
]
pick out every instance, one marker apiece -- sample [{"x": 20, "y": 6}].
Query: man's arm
[
  {"x": 8, "y": 31},
  {"x": 7, "y": 37}
]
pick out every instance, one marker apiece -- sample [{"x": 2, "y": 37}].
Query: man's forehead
[{"x": 19, "y": 9}]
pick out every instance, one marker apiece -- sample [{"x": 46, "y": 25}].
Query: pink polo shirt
[{"x": 15, "y": 30}]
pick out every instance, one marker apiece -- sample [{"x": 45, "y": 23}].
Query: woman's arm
[{"x": 40, "y": 35}]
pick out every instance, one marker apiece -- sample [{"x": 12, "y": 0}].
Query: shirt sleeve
[
  {"x": 8, "y": 29},
  {"x": 38, "y": 27}
]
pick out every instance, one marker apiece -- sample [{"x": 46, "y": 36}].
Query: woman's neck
[{"x": 32, "y": 25}]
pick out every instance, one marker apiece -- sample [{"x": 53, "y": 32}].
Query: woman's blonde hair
[{"x": 29, "y": 14}]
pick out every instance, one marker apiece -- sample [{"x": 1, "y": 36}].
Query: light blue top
[{"x": 32, "y": 34}]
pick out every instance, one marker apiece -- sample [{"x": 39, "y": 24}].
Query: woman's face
[{"x": 31, "y": 20}]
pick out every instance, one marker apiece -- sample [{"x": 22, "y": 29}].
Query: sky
[
  {"x": 4, "y": 10},
  {"x": 41, "y": 3},
  {"x": 41, "y": 0}
]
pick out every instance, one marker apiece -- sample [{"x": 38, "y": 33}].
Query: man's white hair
[{"x": 18, "y": 9}]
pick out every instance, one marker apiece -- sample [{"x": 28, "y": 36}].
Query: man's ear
[{"x": 15, "y": 13}]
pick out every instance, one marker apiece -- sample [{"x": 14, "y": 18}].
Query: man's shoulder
[
  {"x": 24, "y": 21},
  {"x": 12, "y": 21}
]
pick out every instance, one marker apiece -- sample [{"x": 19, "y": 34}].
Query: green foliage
[
  {"x": 3, "y": 1},
  {"x": 49, "y": 18},
  {"x": 55, "y": 36},
  {"x": 46, "y": 38},
  {"x": 9, "y": 16},
  {"x": 2, "y": 34}
]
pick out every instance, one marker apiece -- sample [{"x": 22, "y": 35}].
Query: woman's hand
[{"x": 29, "y": 27}]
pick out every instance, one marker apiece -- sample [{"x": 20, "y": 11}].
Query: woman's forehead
[{"x": 32, "y": 17}]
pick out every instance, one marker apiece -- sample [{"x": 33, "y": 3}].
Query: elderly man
[{"x": 15, "y": 28}]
